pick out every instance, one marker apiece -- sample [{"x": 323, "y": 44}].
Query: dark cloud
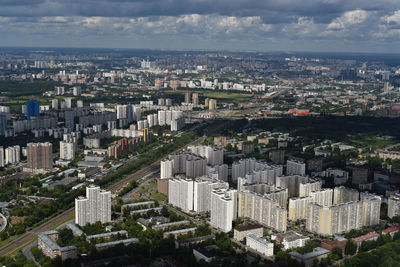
[
  {"x": 278, "y": 11},
  {"x": 204, "y": 24}
]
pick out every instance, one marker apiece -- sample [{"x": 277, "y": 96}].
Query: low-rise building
[
  {"x": 177, "y": 233},
  {"x": 241, "y": 232},
  {"x": 371, "y": 236},
  {"x": 207, "y": 254},
  {"x": 291, "y": 239},
  {"x": 260, "y": 244},
  {"x": 339, "y": 242},
  {"x": 107, "y": 245},
  {"x": 191, "y": 241},
  {"x": 167, "y": 225},
  {"x": 391, "y": 231},
  {"x": 308, "y": 258},
  {"x": 47, "y": 243},
  {"x": 108, "y": 235}
]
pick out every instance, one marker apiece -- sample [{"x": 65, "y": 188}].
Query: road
[
  {"x": 4, "y": 223},
  {"x": 30, "y": 236}
]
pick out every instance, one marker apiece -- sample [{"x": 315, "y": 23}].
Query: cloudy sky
[{"x": 263, "y": 25}]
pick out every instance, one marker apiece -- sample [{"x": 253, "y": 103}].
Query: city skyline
[{"x": 201, "y": 25}]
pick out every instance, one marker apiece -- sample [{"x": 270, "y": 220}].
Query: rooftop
[
  {"x": 290, "y": 236},
  {"x": 180, "y": 231},
  {"x": 145, "y": 210},
  {"x": 248, "y": 227},
  {"x": 169, "y": 224},
  {"x": 51, "y": 244},
  {"x": 114, "y": 243},
  {"x": 391, "y": 229},
  {"x": 138, "y": 204},
  {"x": 318, "y": 251},
  {"x": 365, "y": 237},
  {"x": 75, "y": 229},
  {"x": 122, "y": 232}
]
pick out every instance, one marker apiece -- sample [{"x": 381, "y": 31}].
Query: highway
[{"x": 30, "y": 236}]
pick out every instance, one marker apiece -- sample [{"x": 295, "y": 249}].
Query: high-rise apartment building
[
  {"x": 195, "y": 98},
  {"x": 305, "y": 189},
  {"x": 394, "y": 206},
  {"x": 341, "y": 218},
  {"x": 2, "y": 162},
  {"x": 202, "y": 189},
  {"x": 343, "y": 194},
  {"x": 96, "y": 206},
  {"x": 187, "y": 163},
  {"x": 12, "y": 155},
  {"x": 68, "y": 103},
  {"x": 76, "y": 90},
  {"x": 292, "y": 183},
  {"x": 322, "y": 197},
  {"x": 180, "y": 193},
  {"x": 39, "y": 155},
  {"x": 67, "y": 150},
  {"x": 214, "y": 156},
  {"x": 298, "y": 208},
  {"x": 69, "y": 115},
  {"x": 262, "y": 209},
  {"x": 54, "y": 103},
  {"x": 255, "y": 171},
  {"x": 187, "y": 97},
  {"x": 3, "y": 123},
  {"x": 212, "y": 104},
  {"x": 294, "y": 167},
  {"x": 223, "y": 209},
  {"x": 32, "y": 109}
]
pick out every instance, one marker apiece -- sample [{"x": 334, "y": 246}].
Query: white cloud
[
  {"x": 303, "y": 27},
  {"x": 349, "y": 18}
]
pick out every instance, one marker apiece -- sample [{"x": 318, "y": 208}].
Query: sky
[{"x": 262, "y": 25}]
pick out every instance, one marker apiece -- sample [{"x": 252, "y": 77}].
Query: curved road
[
  {"x": 30, "y": 236},
  {"x": 4, "y": 224}
]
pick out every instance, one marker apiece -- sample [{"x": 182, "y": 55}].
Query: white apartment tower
[
  {"x": 394, "y": 206},
  {"x": 12, "y": 155},
  {"x": 223, "y": 206},
  {"x": 96, "y": 206},
  {"x": 294, "y": 167},
  {"x": 67, "y": 150},
  {"x": 2, "y": 163}
]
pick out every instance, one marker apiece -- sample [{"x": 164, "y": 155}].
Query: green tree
[
  {"x": 351, "y": 248},
  {"x": 337, "y": 253}
]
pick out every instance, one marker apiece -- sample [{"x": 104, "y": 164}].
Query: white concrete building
[
  {"x": 2, "y": 161},
  {"x": 341, "y": 218},
  {"x": 294, "y": 167},
  {"x": 12, "y": 155},
  {"x": 223, "y": 207},
  {"x": 180, "y": 193},
  {"x": 96, "y": 206},
  {"x": 219, "y": 172},
  {"x": 343, "y": 194},
  {"x": 305, "y": 189},
  {"x": 167, "y": 168},
  {"x": 262, "y": 209},
  {"x": 291, "y": 240},
  {"x": 393, "y": 205},
  {"x": 67, "y": 150},
  {"x": 298, "y": 208},
  {"x": 202, "y": 189},
  {"x": 260, "y": 244},
  {"x": 322, "y": 197}
]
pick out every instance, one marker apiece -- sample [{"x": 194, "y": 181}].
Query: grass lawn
[
  {"x": 371, "y": 141},
  {"x": 158, "y": 196}
]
